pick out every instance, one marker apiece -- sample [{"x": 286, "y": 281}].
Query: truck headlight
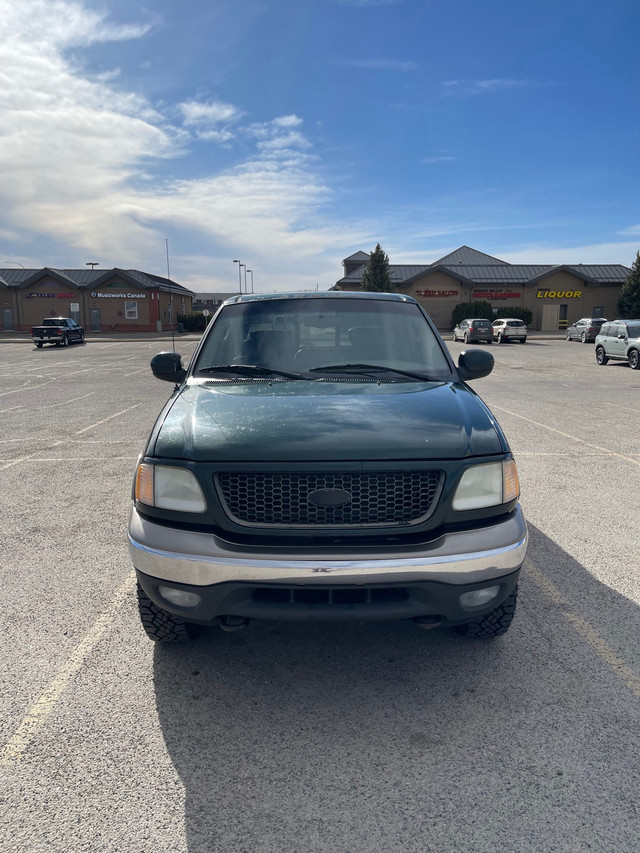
[
  {"x": 487, "y": 485},
  {"x": 166, "y": 487}
]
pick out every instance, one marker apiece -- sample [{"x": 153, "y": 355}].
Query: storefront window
[{"x": 131, "y": 310}]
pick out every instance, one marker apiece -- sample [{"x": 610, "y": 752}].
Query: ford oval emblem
[{"x": 330, "y": 497}]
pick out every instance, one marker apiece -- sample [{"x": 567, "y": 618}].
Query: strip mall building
[
  {"x": 100, "y": 300},
  {"x": 556, "y": 295}
]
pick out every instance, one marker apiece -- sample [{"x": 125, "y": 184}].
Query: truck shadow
[{"x": 343, "y": 737}]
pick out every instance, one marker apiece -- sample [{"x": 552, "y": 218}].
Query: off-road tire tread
[
  {"x": 495, "y": 623},
  {"x": 160, "y": 625}
]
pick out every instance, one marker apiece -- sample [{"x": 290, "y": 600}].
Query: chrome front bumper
[{"x": 201, "y": 559}]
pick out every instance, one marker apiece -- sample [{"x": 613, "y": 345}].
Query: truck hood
[{"x": 325, "y": 421}]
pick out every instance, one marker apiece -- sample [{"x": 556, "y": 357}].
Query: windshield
[
  {"x": 515, "y": 323},
  {"x": 301, "y": 335},
  {"x": 633, "y": 331}
]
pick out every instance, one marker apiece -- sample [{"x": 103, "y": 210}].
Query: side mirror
[
  {"x": 168, "y": 366},
  {"x": 475, "y": 363}
]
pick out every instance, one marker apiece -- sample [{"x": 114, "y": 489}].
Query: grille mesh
[{"x": 283, "y": 499}]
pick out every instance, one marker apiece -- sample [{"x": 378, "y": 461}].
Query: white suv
[
  {"x": 619, "y": 340},
  {"x": 507, "y": 329}
]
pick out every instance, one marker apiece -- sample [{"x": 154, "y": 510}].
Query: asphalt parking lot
[{"x": 287, "y": 737}]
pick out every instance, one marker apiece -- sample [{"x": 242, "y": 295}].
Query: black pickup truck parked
[
  {"x": 60, "y": 331},
  {"x": 322, "y": 458}
]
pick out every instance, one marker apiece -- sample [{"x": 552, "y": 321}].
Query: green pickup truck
[{"x": 323, "y": 458}]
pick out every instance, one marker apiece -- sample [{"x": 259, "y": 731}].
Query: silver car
[
  {"x": 585, "y": 329},
  {"x": 619, "y": 340},
  {"x": 507, "y": 329},
  {"x": 474, "y": 330}
]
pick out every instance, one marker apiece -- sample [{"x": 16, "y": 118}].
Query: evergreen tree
[
  {"x": 376, "y": 276},
  {"x": 629, "y": 301}
]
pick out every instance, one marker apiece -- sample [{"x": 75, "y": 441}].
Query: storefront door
[
  {"x": 550, "y": 318},
  {"x": 95, "y": 319},
  {"x": 7, "y": 319}
]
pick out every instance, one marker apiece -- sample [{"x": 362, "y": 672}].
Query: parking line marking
[
  {"x": 66, "y": 402},
  {"x": 29, "y": 457},
  {"x": 37, "y": 715},
  {"x": 568, "y": 435},
  {"x": 630, "y": 678},
  {"x": 110, "y": 418}
]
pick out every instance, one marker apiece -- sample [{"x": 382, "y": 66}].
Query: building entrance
[{"x": 7, "y": 319}]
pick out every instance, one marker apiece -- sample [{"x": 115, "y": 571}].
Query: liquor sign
[
  {"x": 559, "y": 294},
  {"x": 490, "y": 293}
]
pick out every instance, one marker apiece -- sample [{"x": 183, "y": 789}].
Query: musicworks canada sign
[{"x": 96, "y": 295}]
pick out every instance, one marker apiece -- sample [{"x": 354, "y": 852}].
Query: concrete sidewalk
[{"x": 93, "y": 337}]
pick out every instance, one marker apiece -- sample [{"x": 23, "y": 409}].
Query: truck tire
[
  {"x": 634, "y": 360},
  {"x": 39, "y": 344},
  {"x": 601, "y": 358},
  {"x": 65, "y": 341},
  {"x": 160, "y": 625},
  {"x": 496, "y": 622}
]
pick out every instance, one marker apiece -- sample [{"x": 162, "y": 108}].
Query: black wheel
[
  {"x": 490, "y": 340},
  {"x": 81, "y": 337},
  {"x": 601, "y": 358},
  {"x": 523, "y": 340},
  {"x": 160, "y": 625},
  {"x": 583, "y": 338},
  {"x": 495, "y": 623},
  {"x": 568, "y": 336},
  {"x": 65, "y": 341},
  {"x": 453, "y": 337},
  {"x": 465, "y": 338},
  {"x": 39, "y": 344},
  {"x": 500, "y": 338},
  {"x": 634, "y": 360}
]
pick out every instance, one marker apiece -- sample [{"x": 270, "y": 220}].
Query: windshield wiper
[
  {"x": 370, "y": 368},
  {"x": 248, "y": 370}
]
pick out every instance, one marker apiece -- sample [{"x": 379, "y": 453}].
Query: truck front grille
[{"x": 371, "y": 499}]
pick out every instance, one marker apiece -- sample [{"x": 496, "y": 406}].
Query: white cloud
[
  {"x": 378, "y": 64},
  {"x": 214, "y": 112},
  {"x": 631, "y": 231},
  {"x": 83, "y": 163},
  {"x": 460, "y": 88},
  {"x": 595, "y": 253},
  {"x": 438, "y": 158},
  {"x": 365, "y": 3}
]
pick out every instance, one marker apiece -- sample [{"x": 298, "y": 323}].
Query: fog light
[
  {"x": 479, "y": 596},
  {"x": 179, "y": 597}
]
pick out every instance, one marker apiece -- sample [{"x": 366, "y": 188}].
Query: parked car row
[{"x": 502, "y": 330}]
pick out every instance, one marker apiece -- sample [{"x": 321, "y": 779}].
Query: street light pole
[
  {"x": 92, "y": 264},
  {"x": 251, "y": 271},
  {"x": 240, "y": 265}
]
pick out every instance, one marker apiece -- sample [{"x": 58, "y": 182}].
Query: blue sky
[{"x": 291, "y": 133}]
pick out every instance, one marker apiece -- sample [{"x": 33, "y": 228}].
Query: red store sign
[{"x": 496, "y": 294}]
